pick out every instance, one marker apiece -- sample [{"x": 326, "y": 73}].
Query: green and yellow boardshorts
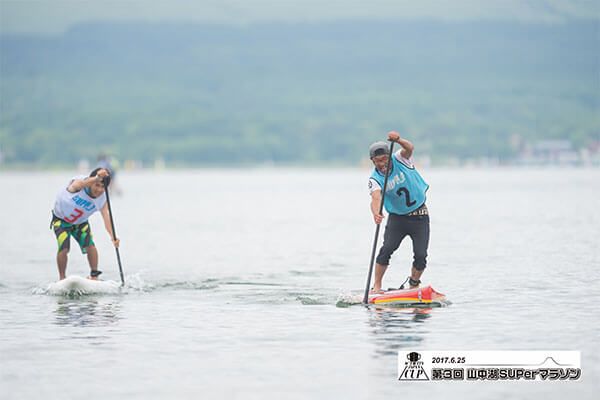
[{"x": 63, "y": 231}]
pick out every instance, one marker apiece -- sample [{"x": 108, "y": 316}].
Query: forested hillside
[{"x": 298, "y": 93}]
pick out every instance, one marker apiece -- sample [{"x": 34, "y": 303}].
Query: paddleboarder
[
  {"x": 74, "y": 204},
  {"x": 405, "y": 203}
]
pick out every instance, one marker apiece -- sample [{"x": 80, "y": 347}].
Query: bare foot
[{"x": 376, "y": 291}]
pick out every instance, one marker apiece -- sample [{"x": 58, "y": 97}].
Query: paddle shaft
[
  {"x": 387, "y": 173},
  {"x": 112, "y": 225}
]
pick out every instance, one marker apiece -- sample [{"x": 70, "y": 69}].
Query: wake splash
[
  {"x": 76, "y": 286},
  {"x": 347, "y": 299},
  {"x": 248, "y": 291}
]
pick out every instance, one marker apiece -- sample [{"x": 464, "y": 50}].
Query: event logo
[
  {"x": 413, "y": 368},
  {"x": 489, "y": 366}
]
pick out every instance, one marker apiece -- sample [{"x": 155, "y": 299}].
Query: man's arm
[
  {"x": 375, "y": 205},
  {"x": 77, "y": 184},
  {"x": 88, "y": 181},
  {"x": 407, "y": 147},
  {"x": 108, "y": 225}
]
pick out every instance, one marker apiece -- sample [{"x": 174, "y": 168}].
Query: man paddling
[
  {"x": 405, "y": 203},
  {"x": 74, "y": 204}
]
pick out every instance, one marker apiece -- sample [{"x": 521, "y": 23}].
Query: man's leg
[
  {"x": 379, "y": 272},
  {"x": 83, "y": 235},
  {"x": 61, "y": 261},
  {"x": 394, "y": 233},
  {"x": 92, "y": 256},
  {"x": 63, "y": 239},
  {"x": 420, "y": 238},
  {"x": 415, "y": 277}
]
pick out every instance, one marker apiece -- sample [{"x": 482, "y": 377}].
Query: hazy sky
[{"x": 55, "y": 16}]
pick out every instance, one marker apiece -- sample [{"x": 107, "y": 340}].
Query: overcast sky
[{"x": 55, "y": 16}]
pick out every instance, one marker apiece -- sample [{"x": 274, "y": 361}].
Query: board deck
[{"x": 425, "y": 296}]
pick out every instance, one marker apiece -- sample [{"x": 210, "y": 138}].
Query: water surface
[{"x": 233, "y": 277}]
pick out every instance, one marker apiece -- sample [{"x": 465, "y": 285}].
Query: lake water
[{"x": 233, "y": 278}]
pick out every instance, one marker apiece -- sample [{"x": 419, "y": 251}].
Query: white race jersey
[{"x": 76, "y": 208}]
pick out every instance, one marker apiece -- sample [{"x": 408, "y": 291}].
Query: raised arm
[
  {"x": 407, "y": 147},
  {"x": 88, "y": 181}
]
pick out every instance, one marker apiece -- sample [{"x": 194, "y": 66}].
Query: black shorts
[{"x": 396, "y": 229}]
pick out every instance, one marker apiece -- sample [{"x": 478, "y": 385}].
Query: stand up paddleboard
[
  {"x": 76, "y": 286},
  {"x": 423, "y": 297}
]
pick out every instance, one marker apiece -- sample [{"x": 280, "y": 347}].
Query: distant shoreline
[{"x": 337, "y": 166}]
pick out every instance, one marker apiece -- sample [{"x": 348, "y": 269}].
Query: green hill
[{"x": 298, "y": 93}]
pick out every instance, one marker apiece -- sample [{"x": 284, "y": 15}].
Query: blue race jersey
[{"x": 406, "y": 188}]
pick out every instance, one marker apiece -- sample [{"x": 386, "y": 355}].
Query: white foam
[
  {"x": 346, "y": 299},
  {"x": 76, "y": 285},
  {"x": 135, "y": 283}
]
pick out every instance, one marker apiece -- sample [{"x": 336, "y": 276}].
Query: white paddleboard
[{"x": 76, "y": 285}]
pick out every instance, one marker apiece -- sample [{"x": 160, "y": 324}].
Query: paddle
[
  {"x": 387, "y": 172},
  {"x": 112, "y": 224}
]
